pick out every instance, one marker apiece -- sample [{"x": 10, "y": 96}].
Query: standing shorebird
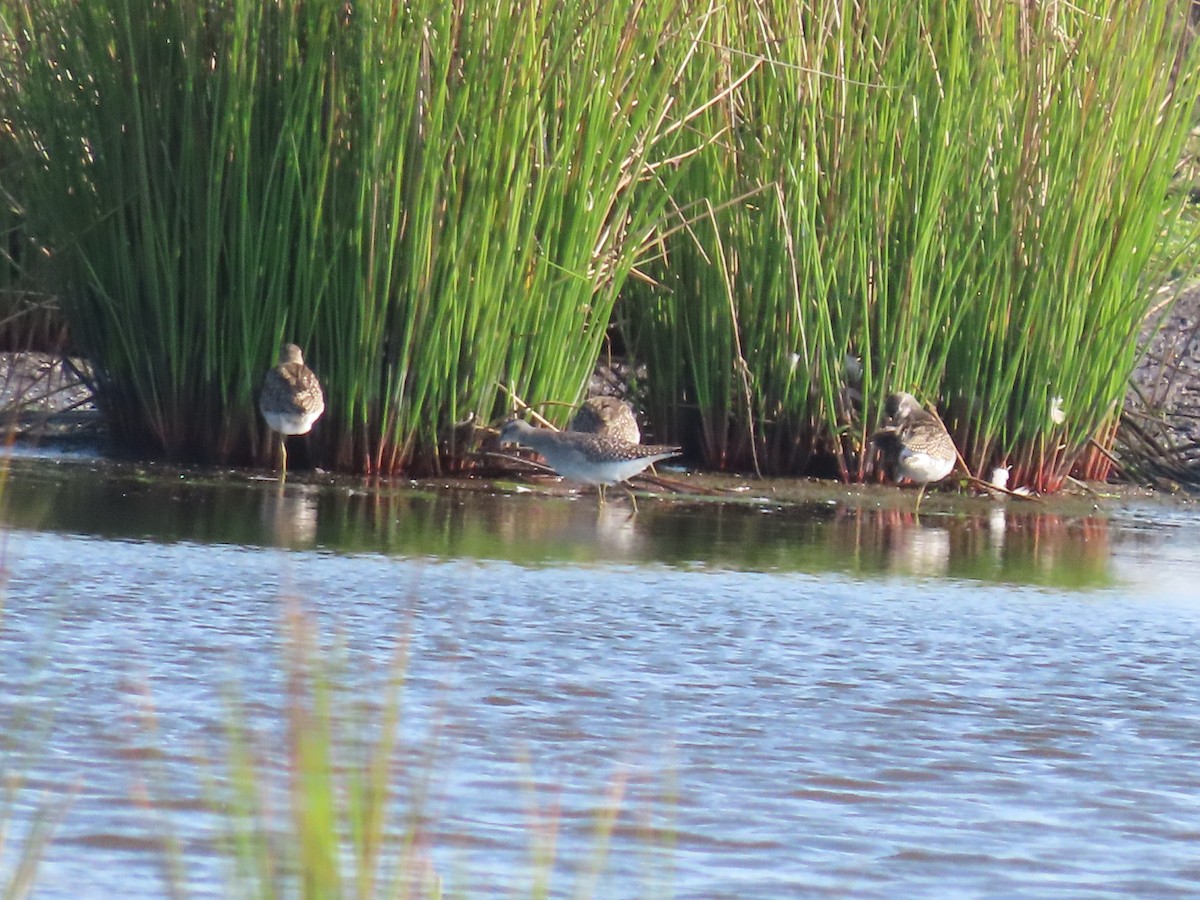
[
  {"x": 291, "y": 398},
  {"x": 586, "y": 458},
  {"x": 915, "y": 443},
  {"x": 607, "y": 417}
]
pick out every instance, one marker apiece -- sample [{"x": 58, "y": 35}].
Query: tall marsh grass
[
  {"x": 959, "y": 199},
  {"x": 30, "y": 318},
  {"x": 433, "y": 199},
  {"x": 442, "y": 202}
]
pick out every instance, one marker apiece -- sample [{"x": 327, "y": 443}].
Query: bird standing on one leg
[
  {"x": 915, "y": 443},
  {"x": 291, "y": 399},
  {"x": 586, "y": 458}
]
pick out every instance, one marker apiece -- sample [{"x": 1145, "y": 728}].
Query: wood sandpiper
[
  {"x": 291, "y": 399},
  {"x": 915, "y": 443},
  {"x": 586, "y": 458},
  {"x": 609, "y": 417}
]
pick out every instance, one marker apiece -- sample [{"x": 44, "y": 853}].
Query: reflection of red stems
[{"x": 1020, "y": 541}]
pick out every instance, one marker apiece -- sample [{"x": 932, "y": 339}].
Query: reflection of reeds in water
[
  {"x": 1075, "y": 549},
  {"x": 998, "y": 543},
  {"x": 544, "y": 523}
]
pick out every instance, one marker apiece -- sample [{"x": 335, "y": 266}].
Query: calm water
[{"x": 825, "y": 699}]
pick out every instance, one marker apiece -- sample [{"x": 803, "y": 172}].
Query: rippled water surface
[{"x": 773, "y": 699}]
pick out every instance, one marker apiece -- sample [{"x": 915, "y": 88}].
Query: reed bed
[
  {"x": 12, "y": 240},
  {"x": 30, "y": 318},
  {"x": 433, "y": 200},
  {"x": 829, "y": 200},
  {"x": 958, "y": 199}
]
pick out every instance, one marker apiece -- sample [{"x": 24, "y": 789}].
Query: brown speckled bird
[
  {"x": 586, "y": 458},
  {"x": 609, "y": 417},
  {"x": 915, "y": 443},
  {"x": 291, "y": 399}
]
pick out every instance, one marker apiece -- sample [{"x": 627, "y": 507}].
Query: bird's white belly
[
  {"x": 574, "y": 469},
  {"x": 922, "y": 467},
  {"x": 290, "y": 423}
]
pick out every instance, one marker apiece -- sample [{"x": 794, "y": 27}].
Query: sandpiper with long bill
[{"x": 587, "y": 458}]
